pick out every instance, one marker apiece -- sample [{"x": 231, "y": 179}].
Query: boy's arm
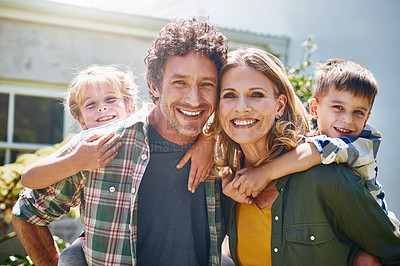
[
  {"x": 201, "y": 155},
  {"x": 359, "y": 152},
  {"x": 251, "y": 181},
  {"x": 92, "y": 153},
  {"x": 231, "y": 192}
]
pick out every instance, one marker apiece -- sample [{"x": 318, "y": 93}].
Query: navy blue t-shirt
[{"x": 172, "y": 222}]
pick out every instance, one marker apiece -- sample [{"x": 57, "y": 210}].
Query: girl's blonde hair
[
  {"x": 287, "y": 132},
  {"x": 122, "y": 82}
]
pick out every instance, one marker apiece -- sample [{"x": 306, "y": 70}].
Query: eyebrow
[
  {"x": 180, "y": 76},
  {"x": 251, "y": 89}
]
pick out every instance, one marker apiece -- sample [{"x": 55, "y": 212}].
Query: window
[{"x": 31, "y": 117}]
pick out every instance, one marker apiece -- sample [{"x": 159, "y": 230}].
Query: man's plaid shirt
[{"x": 108, "y": 197}]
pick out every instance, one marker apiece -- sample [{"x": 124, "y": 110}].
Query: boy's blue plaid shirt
[{"x": 108, "y": 198}]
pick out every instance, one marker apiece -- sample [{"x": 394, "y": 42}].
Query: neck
[
  {"x": 163, "y": 127},
  {"x": 253, "y": 152}
]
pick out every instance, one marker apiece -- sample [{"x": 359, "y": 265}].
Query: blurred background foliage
[{"x": 10, "y": 176}]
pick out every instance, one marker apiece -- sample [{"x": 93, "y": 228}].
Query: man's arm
[{"x": 37, "y": 241}]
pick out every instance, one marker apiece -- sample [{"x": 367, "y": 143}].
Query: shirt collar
[
  {"x": 141, "y": 116},
  {"x": 281, "y": 183},
  {"x": 120, "y": 125}
]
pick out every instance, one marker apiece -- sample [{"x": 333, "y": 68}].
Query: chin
[{"x": 190, "y": 132}]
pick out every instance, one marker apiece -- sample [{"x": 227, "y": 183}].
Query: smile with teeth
[
  {"x": 189, "y": 113},
  {"x": 105, "y": 118},
  {"x": 244, "y": 122},
  {"x": 343, "y": 130}
]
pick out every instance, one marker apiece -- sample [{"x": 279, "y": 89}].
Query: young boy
[{"x": 343, "y": 96}]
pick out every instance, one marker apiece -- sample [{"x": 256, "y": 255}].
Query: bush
[
  {"x": 10, "y": 177},
  {"x": 302, "y": 83}
]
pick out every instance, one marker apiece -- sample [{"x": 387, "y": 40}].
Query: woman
[{"x": 302, "y": 219}]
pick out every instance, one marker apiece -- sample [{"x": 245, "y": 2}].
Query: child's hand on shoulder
[
  {"x": 233, "y": 193},
  {"x": 96, "y": 151},
  {"x": 251, "y": 181}
]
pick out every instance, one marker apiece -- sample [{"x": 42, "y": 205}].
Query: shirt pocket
[
  {"x": 108, "y": 204},
  {"x": 309, "y": 234}
]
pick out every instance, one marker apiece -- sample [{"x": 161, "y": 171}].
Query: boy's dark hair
[
  {"x": 345, "y": 75},
  {"x": 180, "y": 37}
]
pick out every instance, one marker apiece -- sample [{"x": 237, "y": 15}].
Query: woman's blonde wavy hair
[{"x": 287, "y": 132}]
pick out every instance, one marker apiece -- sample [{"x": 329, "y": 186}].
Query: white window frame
[{"x": 29, "y": 89}]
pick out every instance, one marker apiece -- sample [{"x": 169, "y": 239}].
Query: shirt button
[
  {"x": 144, "y": 157},
  {"x": 312, "y": 238},
  {"x": 133, "y": 190},
  {"x": 276, "y": 250},
  {"x": 112, "y": 189},
  {"x": 276, "y": 218}
]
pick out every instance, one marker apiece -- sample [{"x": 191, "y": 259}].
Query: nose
[
  {"x": 102, "y": 107},
  {"x": 193, "y": 96},
  {"x": 242, "y": 105},
  {"x": 347, "y": 117}
]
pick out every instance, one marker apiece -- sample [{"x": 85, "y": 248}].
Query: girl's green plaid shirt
[{"x": 108, "y": 198}]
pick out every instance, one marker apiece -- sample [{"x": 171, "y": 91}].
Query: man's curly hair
[{"x": 180, "y": 37}]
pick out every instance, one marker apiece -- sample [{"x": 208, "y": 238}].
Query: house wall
[{"x": 33, "y": 51}]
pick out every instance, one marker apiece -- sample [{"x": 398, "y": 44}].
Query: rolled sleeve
[{"x": 42, "y": 206}]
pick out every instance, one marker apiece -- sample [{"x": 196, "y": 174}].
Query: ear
[
  {"x": 366, "y": 120},
  {"x": 314, "y": 108},
  {"x": 154, "y": 90},
  {"x": 282, "y": 100}
]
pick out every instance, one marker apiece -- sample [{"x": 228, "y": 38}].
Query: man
[{"x": 138, "y": 209}]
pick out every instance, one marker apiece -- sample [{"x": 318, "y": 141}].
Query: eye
[
  {"x": 339, "y": 107},
  {"x": 228, "y": 95},
  {"x": 208, "y": 84},
  {"x": 179, "y": 82},
  {"x": 111, "y": 99},
  {"x": 257, "y": 95},
  {"x": 358, "y": 112},
  {"x": 89, "y": 104}
]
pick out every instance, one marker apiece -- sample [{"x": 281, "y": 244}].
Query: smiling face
[
  {"x": 340, "y": 113},
  {"x": 100, "y": 105},
  {"x": 248, "y": 107},
  {"x": 187, "y": 96}
]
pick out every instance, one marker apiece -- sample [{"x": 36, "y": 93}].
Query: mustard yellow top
[{"x": 254, "y": 235}]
